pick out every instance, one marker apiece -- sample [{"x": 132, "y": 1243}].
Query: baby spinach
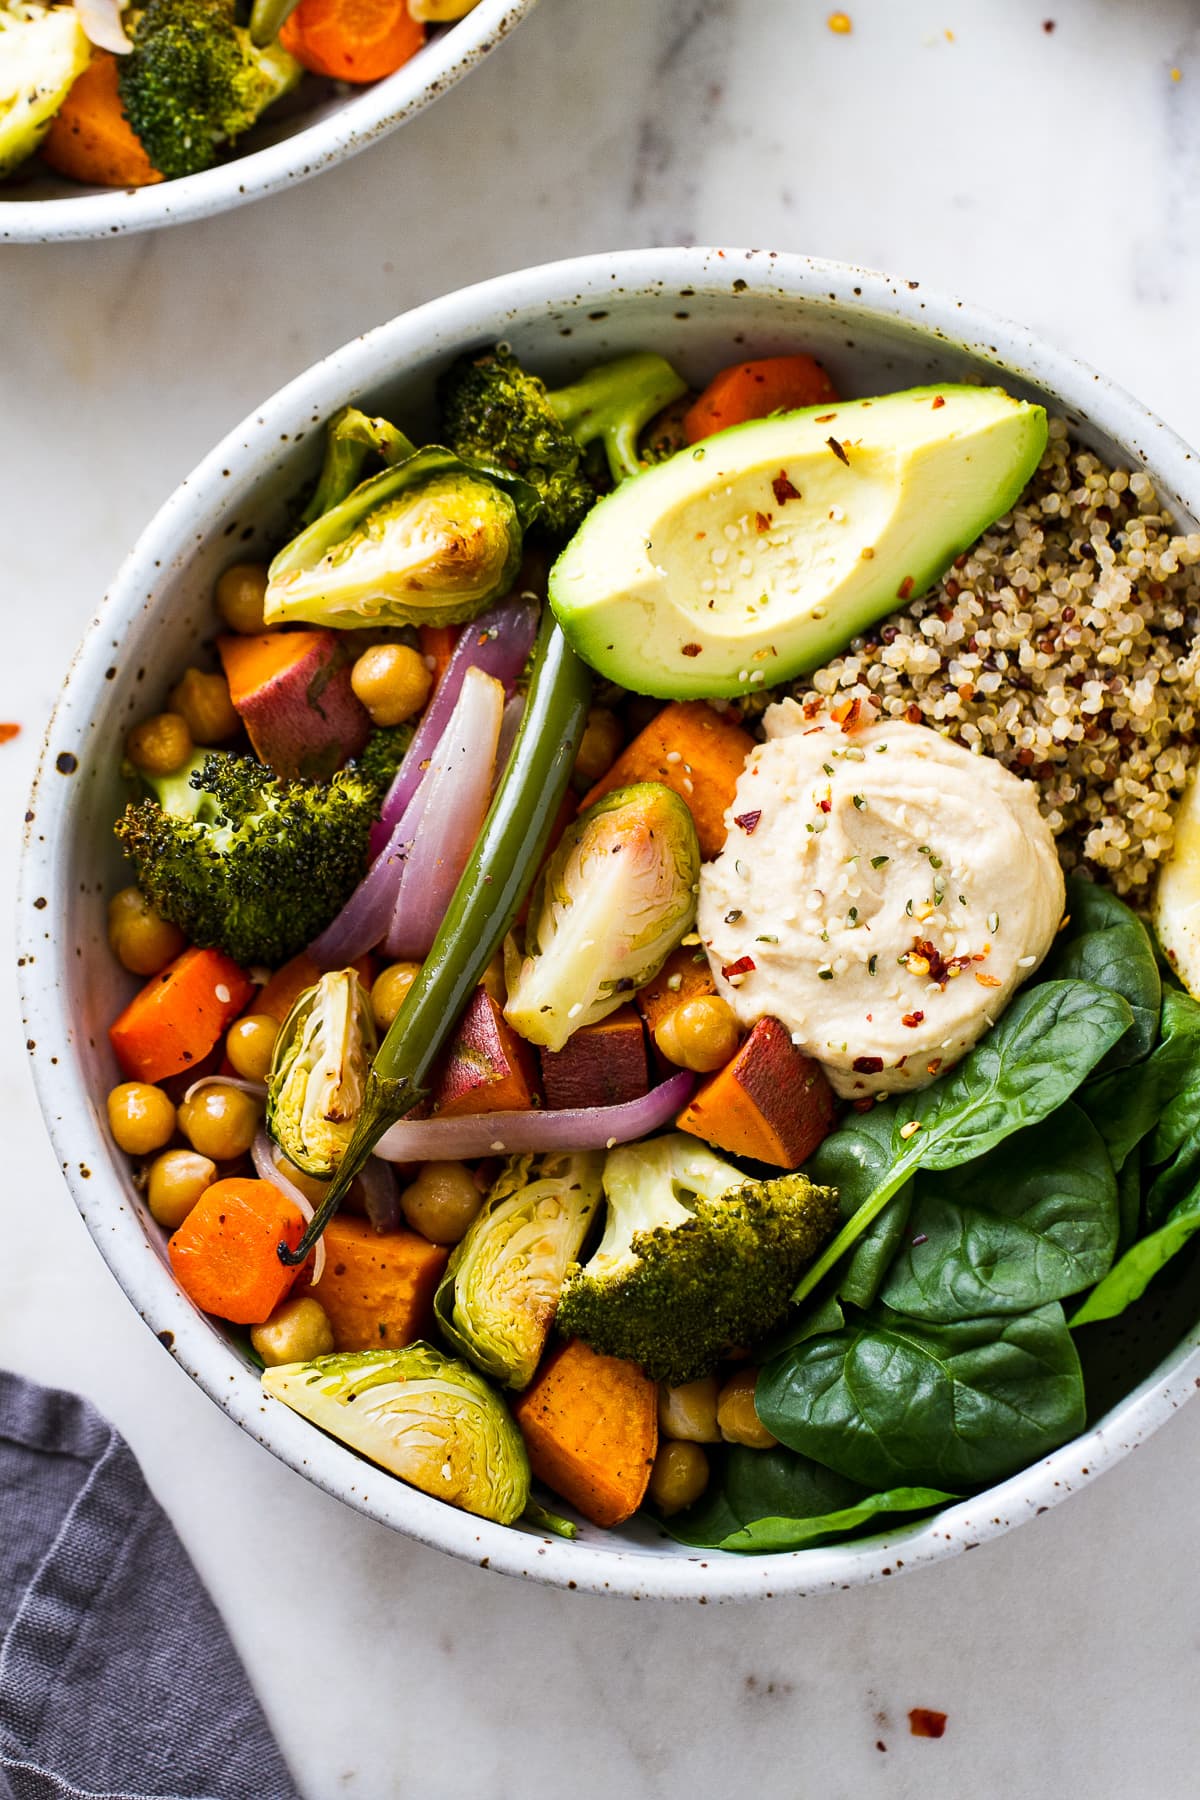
[
  {"x": 1107, "y": 944},
  {"x": 1132, "y": 1274},
  {"x": 769, "y": 1500},
  {"x": 893, "y": 1402},
  {"x": 1033, "y": 1059},
  {"x": 1128, "y": 1103},
  {"x": 1032, "y": 1221}
]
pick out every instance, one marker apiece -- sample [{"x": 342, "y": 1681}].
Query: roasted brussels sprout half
[
  {"x": 42, "y": 51},
  {"x": 497, "y": 1299},
  {"x": 420, "y": 1415},
  {"x": 319, "y": 1072},
  {"x": 429, "y": 541},
  {"x": 612, "y": 903}
]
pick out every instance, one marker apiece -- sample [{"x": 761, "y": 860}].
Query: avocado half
[{"x": 758, "y": 554}]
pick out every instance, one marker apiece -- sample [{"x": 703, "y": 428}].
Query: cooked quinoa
[{"x": 1065, "y": 645}]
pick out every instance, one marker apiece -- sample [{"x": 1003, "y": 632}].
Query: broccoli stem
[
  {"x": 268, "y": 18},
  {"x": 350, "y": 439},
  {"x": 502, "y": 865},
  {"x": 554, "y": 1523},
  {"x": 615, "y": 402}
]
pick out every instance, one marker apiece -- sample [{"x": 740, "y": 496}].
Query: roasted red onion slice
[
  {"x": 501, "y": 1133},
  {"x": 498, "y": 643},
  {"x": 102, "y": 25},
  {"x": 454, "y": 798}
]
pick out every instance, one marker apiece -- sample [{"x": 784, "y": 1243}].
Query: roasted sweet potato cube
[
  {"x": 378, "y": 1287},
  {"x": 692, "y": 749},
  {"x": 488, "y": 1068},
  {"x": 590, "y": 1425},
  {"x": 771, "y": 1102},
  {"x": 601, "y": 1065}
]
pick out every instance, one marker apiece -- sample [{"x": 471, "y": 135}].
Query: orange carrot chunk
[
  {"x": 695, "y": 751},
  {"x": 91, "y": 139},
  {"x": 225, "y": 1253},
  {"x": 751, "y": 390},
  {"x": 590, "y": 1425},
  {"x": 352, "y": 40},
  {"x": 287, "y": 984},
  {"x": 437, "y": 646},
  {"x": 180, "y": 1015},
  {"x": 771, "y": 1102},
  {"x": 378, "y": 1287}
]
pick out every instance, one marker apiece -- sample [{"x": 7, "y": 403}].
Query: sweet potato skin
[
  {"x": 771, "y": 1103},
  {"x": 378, "y": 1288},
  {"x": 601, "y": 1065},
  {"x": 693, "y": 750},
  {"x": 293, "y": 692},
  {"x": 590, "y": 1425},
  {"x": 488, "y": 1068}
]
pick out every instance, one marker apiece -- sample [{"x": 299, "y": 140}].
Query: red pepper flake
[
  {"x": 928, "y": 950},
  {"x": 7, "y": 732},
  {"x": 812, "y": 706},
  {"x": 825, "y": 805},
  {"x": 987, "y": 980},
  {"x": 762, "y": 521},
  {"x": 783, "y": 490},
  {"x": 824, "y": 418},
  {"x": 838, "y": 450},
  {"x": 913, "y": 1019},
  {"x": 938, "y": 401},
  {"x": 868, "y": 1065},
  {"x": 924, "y": 1722},
  {"x": 905, "y": 588},
  {"x": 849, "y": 715},
  {"x": 744, "y": 965},
  {"x": 933, "y": 1067},
  {"x": 690, "y": 649},
  {"x": 747, "y": 820}
]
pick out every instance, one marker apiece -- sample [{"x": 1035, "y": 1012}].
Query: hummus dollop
[{"x": 882, "y": 892}]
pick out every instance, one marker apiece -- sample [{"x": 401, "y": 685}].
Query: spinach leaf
[
  {"x": 1032, "y": 1060},
  {"x": 1132, "y": 1274},
  {"x": 1107, "y": 944},
  {"x": 1126, "y": 1105},
  {"x": 893, "y": 1402},
  {"x": 763, "y": 1500},
  {"x": 1032, "y": 1221},
  {"x": 855, "y": 1160}
]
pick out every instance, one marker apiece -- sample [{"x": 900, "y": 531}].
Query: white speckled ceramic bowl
[
  {"x": 701, "y": 308},
  {"x": 295, "y": 142}
]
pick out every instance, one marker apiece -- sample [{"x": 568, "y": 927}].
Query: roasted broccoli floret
[
  {"x": 383, "y": 753},
  {"x": 493, "y": 411},
  {"x": 697, "y": 1259},
  {"x": 194, "y": 80},
  {"x": 244, "y": 861}
]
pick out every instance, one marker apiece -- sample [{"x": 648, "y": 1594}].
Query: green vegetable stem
[{"x": 501, "y": 867}]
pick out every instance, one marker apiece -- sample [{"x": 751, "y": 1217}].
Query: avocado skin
[{"x": 757, "y": 555}]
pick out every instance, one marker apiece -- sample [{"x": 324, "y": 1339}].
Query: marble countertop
[{"x": 1053, "y": 175}]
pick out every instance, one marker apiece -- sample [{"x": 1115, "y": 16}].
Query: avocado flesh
[{"x": 760, "y": 553}]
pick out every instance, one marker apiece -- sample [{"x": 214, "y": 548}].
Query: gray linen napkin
[{"x": 117, "y": 1678}]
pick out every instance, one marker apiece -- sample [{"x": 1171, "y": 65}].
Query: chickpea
[
  {"x": 140, "y": 1117},
  {"x": 160, "y": 745},
  {"x": 312, "y": 1187},
  {"x": 739, "y": 1422},
  {"x": 392, "y": 682},
  {"x": 389, "y": 989},
  {"x": 177, "y": 1180},
  {"x": 700, "y": 1034},
  {"x": 440, "y": 12},
  {"x": 142, "y": 941},
  {"x": 220, "y": 1122},
  {"x": 203, "y": 703},
  {"x": 599, "y": 746},
  {"x": 442, "y": 1201},
  {"x": 689, "y": 1412},
  {"x": 250, "y": 1045},
  {"x": 296, "y": 1331},
  {"x": 240, "y": 594},
  {"x": 679, "y": 1476}
]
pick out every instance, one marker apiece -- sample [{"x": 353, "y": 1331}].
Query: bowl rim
[
  {"x": 73, "y": 1118},
  {"x": 366, "y": 115}
]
